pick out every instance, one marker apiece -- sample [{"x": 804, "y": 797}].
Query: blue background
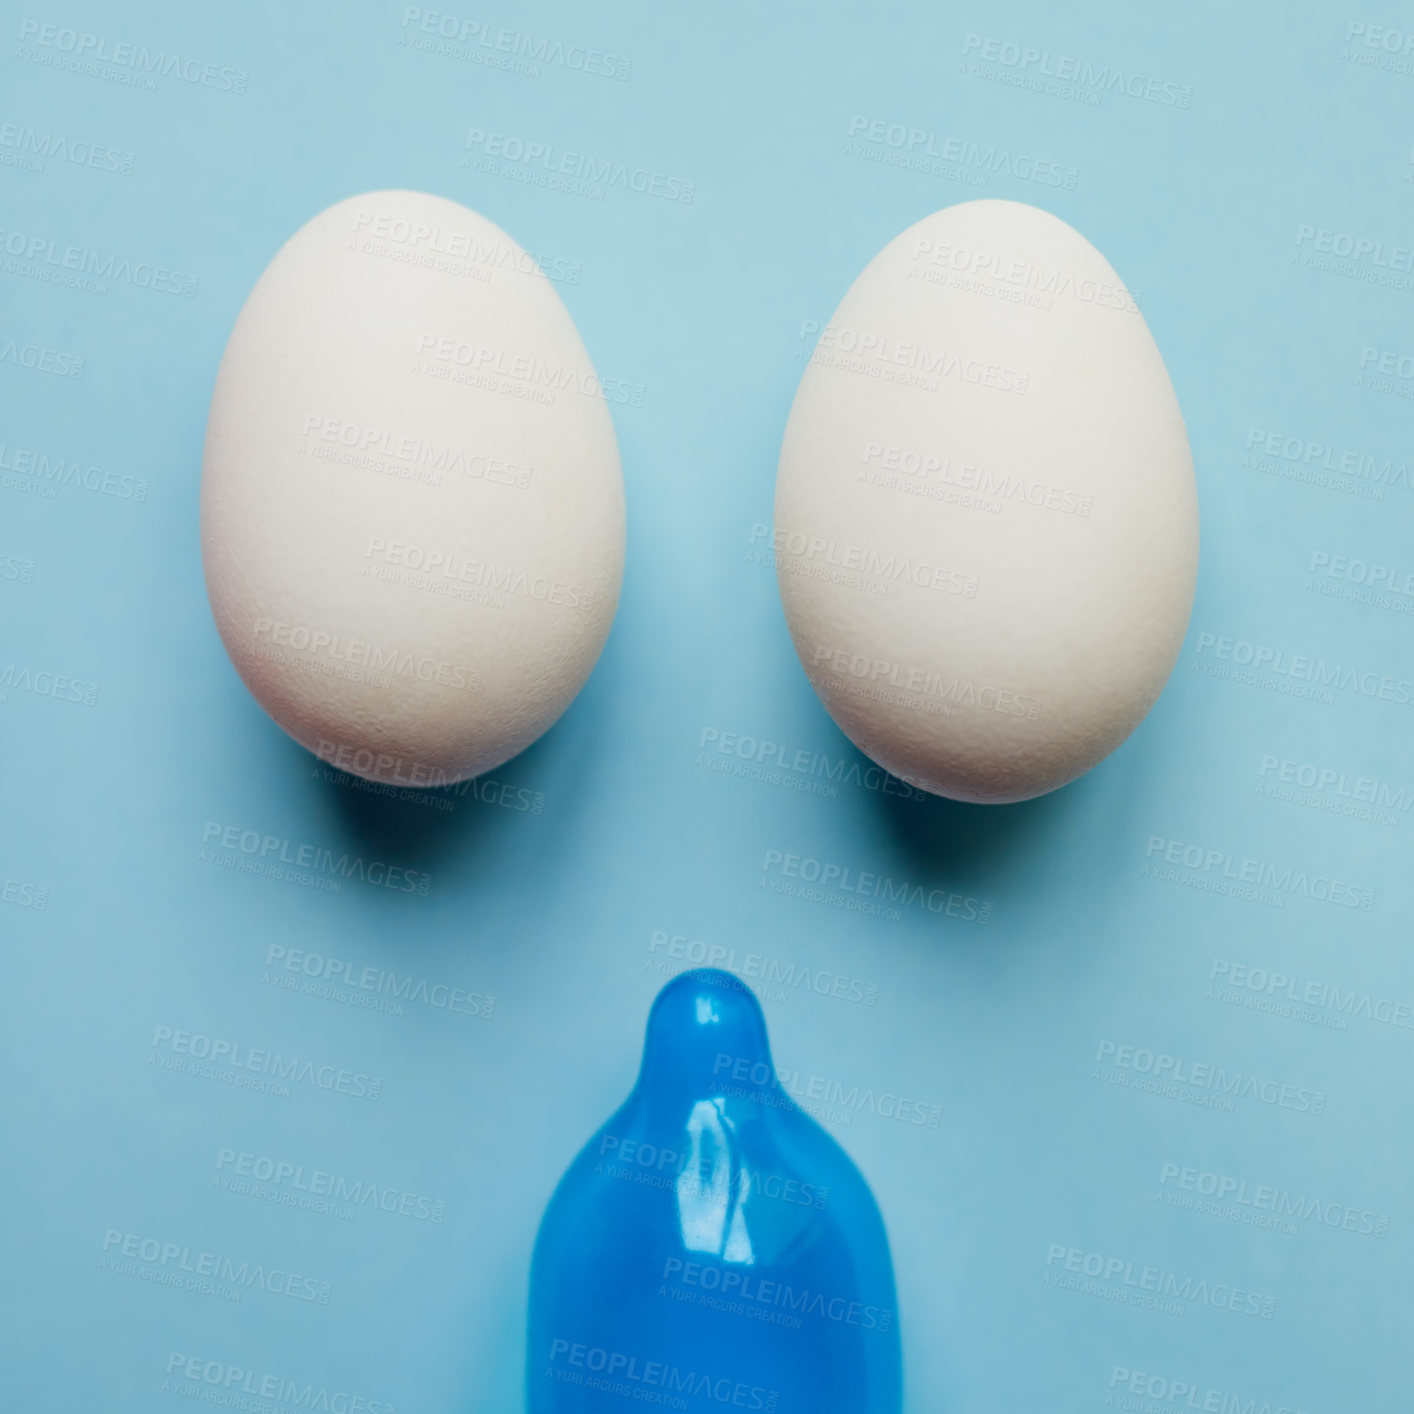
[{"x": 1048, "y": 1155}]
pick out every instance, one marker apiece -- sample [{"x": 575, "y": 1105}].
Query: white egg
[
  {"x": 986, "y": 524},
  {"x": 412, "y": 514}
]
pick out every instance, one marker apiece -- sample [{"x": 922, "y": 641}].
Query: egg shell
[
  {"x": 412, "y": 514},
  {"x": 986, "y": 523}
]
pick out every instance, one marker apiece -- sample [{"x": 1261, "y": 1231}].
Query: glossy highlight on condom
[{"x": 711, "y": 1244}]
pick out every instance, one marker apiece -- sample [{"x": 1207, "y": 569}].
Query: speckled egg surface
[
  {"x": 412, "y": 515},
  {"x": 986, "y": 523}
]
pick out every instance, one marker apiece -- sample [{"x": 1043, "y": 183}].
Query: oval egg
[
  {"x": 986, "y": 523},
  {"x": 412, "y": 512}
]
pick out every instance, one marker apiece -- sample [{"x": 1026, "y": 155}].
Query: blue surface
[{"x": 1125, "y": 1039}]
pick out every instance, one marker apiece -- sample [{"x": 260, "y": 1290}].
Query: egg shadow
[
  {"x": 996, "y": 850},
  {"x": 934, "y": 839},
  {"x": 537, "y": 794},
  {"x": 966, "y": 844}
]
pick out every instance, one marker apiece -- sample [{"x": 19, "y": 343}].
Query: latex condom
[{"x": 711, "y": 1246}]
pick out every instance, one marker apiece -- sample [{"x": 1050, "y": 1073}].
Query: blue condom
[{"x": 712, "y": 1247}]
